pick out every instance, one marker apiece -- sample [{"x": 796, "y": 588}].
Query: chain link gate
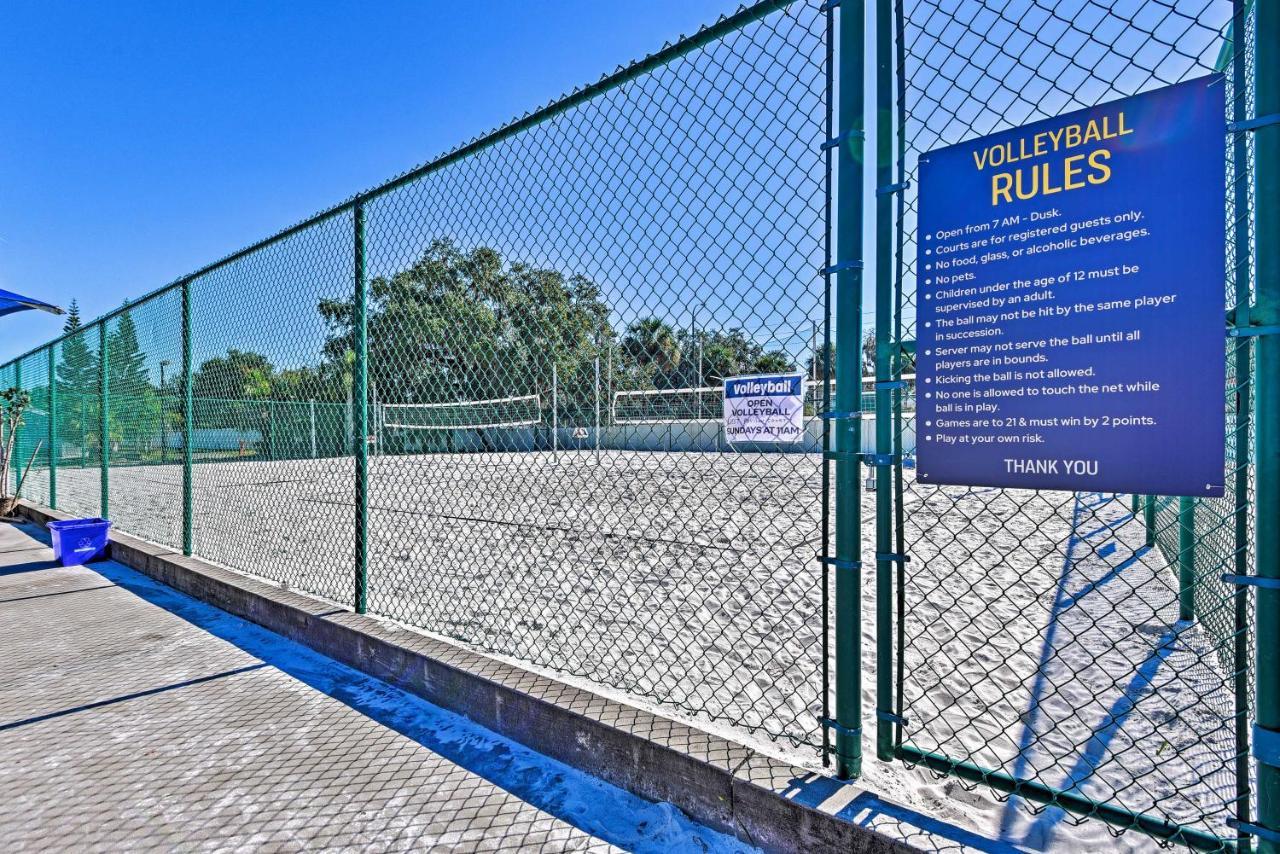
[{"x": 1081, "y": 651}]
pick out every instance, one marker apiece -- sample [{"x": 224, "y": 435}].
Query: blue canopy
[{"x": 9, "y": 303}]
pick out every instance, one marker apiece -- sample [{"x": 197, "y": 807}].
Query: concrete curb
[{"x": 719, "y": 783}]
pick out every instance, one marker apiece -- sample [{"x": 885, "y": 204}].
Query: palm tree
[{"x": 651, "y": 342}]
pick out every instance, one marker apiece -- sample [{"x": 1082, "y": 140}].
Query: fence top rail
[{"x": 671, "y": 51}]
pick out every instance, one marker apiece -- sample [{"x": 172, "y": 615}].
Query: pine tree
[
  {"x": 134, "y": 407},
  {"x": 77, "y": 377},
  {"x": 78, "y": 369}
]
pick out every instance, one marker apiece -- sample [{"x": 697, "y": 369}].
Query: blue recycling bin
[{"x": 78, "y": 541}]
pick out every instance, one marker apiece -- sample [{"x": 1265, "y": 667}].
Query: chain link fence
[
  {"x": 1079, "y": 650},
  {"x": 648, "y": 235},
  {"x": 484, "y": 400}
]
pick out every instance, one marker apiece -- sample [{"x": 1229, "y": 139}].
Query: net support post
[
  {"x": 1186, "y": 558},
  {"x": 104, "y": 422},
  {"x": 52, "y": 437},
  {"x": 849, "y": 211},
  {"x": 188, "y": 420},
  {"x": 1266, "y": 312},
  {"x": 885, "y": 386},
  {"x": 360, "y": 415}
]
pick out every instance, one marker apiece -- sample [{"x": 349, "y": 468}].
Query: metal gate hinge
[
  {"x": 893, "y": 557},
  {"x": 876, "y": 460},
  {"x": 841, "y": 266},
  {"x": 1254, "y": 123},
  {"x": 845, "y": 456},
  {"x": 841, "y": 728},
  {"x": 836, "y": 415},
  {"x": 891, "y": 384},
  {"x": 1252, "y": 581},
  {"x": 1266, "y": 745},
  {"x": 836, "y": 140},
  {"x": 891, "y": 718},
  {"x": 841, "y": 563},
  {"x": 892, "y": 188},
  {"x": 1254, "y": 829},
  {"x": 1252, "y": 331}
]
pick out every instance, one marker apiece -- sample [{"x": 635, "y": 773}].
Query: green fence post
[
  {"x": 1241, "y": 174},
  {"x": 52, "y": 438},
  {"x": 883, "y": 397},
  {"x": 1266, "y": 313},
  {"x": 188, "y": 421},
  {"x": 1149, "y": 518},
  {"x": 104, "y": 422},
  {"x": 361, "y": 417},
  {"x": 15, "y": 465},
  {"x": 850, "y": 162},
  {"x": 1186, "y": 558}
]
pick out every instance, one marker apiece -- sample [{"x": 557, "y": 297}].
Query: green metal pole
[
  {"x": 52, "y": 438},
  {"x": 16, "y": 465},
  {"x": 1186, "y": 558},
  {"x": 361, "y": 416},
  {"x": 849, "y": 203},
  {"x": 900, "y": 351},
  {"x": 1149, "y": 518},
  {"x": 1241, "y": 175},
  {"x": 883, "y": 260},
  {"x": 104, "y": 422},
  {"x": 188, "y": 422},
  {"x": 1266, "y": 312}
]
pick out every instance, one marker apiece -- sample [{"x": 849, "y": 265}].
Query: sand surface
[{"x": 1041, "y": 635}]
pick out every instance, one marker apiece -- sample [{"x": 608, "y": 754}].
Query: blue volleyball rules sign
[
  {"x": 764, "y": 408},
  {"x": 1070, "y": 282}
]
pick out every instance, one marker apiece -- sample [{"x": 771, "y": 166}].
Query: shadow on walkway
[{"x": 598, "y": 808}]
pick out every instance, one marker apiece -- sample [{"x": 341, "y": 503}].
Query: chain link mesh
[
  {"x": 645, "y": 243},
  {"x": 262, "y": 502},
  {"x": 650, "y": 236},
  {"x": 78, "y": 416},
  {"x": 1040, "y": 634},
  {"x": 31, "y": 443},
  {"x": 144, "y": 366},
  {"x": 551, "y": 313}
]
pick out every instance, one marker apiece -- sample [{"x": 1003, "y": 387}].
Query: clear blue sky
[{"x": 142, "y": 140}]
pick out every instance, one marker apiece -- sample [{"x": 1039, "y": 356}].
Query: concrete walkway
[{"x": 134, "y": 717}]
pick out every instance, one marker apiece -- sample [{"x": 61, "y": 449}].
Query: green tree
[
  {"x": 127, "y": 373},
  {"x": 773, "y": 362},
  {"x": 651, "y": 342},
  {"x": 77, "y": 370},
  {"x": 233, "y": 392},
  {"x": 239, "y": 375},
  {"x": 78, "y": 389},
  {"x": 134, "y": 411},
  {"x": 458, "y": 325},
  {"x": 819, "y": 362},
  {"x": 727, "y": 353}
]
